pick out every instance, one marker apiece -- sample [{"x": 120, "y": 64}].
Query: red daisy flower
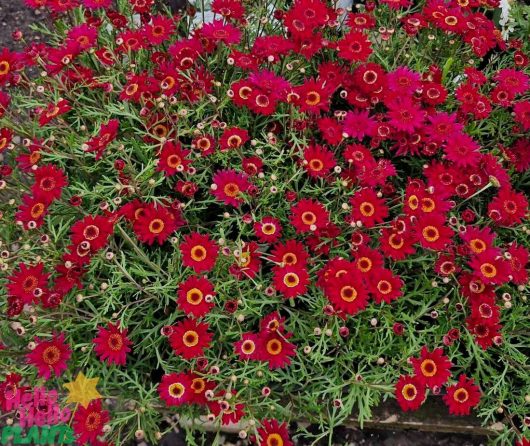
[
  {"x": 396, "y": 245},
  {"x": 28, "y": 283},
  {"x": 318, "y": 161},
  {"x": 432, "y": 369},
  {"x": 159, "y": 29},
  {"x": 522, "y": 114},
  {"x": 32, "y": 211},
  {"x": 175, "y": 389},
  {"x": 172, "y": 159},
  {"x": 7, "y": 65},
  {"x": 190, "y": 338},
  {"x": 155, "y": 223},
  {"x": 54, "y": 110},
  {"x": 462, "y": 150},
  {"x": 11, "y": 391},
  {"x": 347, "y": 293},
  {"x": 358, "y": 124},
  {"x": 277, "y": 350},
  {"x": 355, "y": 46},
  {"x": 233, "y": 138},
  {"x": 385, "y": 286},
  {"x": 271, "y": 433},
  {"x": 249, "y": 347},
  {"x": 462, "y": 396},
  {"x": 268, "y": 230},
  {"x": 107, "y": 134},
  {"x": 405, "y": 115},
  {"x": 49, "y": 182},
  {"x": 196, "y": 296},
  {"x": 200, "y": 386},
  {"x": 6, "y": 136},
  {"x": 247, "y": 261},
  {"x": 490, "y": 267},
  {"x": 483, "y": 331},
  {"x": 312, "y": 97},
  {"x": 519, "y": 257},
  {"x": 96, "y": 4},
  {"x": 218, "y": 30},
  {"x": 229, "y": 185},
  {"x": 199, "y": 252},
  {"x": 309, "y": 216},
  {"x": 432, "y": 233},
  {"x": 88, "y": 422},
  {"x": 291, "y": 281},
  {"x": 508, "y": 207},
  {"x": 50, "y": 356},
  {"x": 410, "y": 393},
  {"x": 205, "y": 144},
  {"x": 368, "y": 208},
  {"x": 272, "y": 322},
  {"x": 112, "y": 344},
  {"x": 95, "y": 230},
  {"x": 229, "y": 413},
  {"x": 290, "y": 253},
  {"x": 478, "y": 240}
]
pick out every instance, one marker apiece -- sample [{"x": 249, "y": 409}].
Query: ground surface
[{"x": 15, "y": 16}]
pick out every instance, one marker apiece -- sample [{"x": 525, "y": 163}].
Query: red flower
[
  {"x": 158, "y": 30},
  {"x": 522, "y": 114},
  {"x": 292, "y": 253},
  {"x": 432, "y": 368},
  {"x": 229, "y": 185},
  {"x": 308, "y": 216},
  {"x": 195, "y": 296},
  {"x": 172, "y": 159},
  {"x": 95, "y": 230},
  {"x": 483, "y": 330},
  {"x": 7, "y": 65},
  {"x": 54, "y": 110},
  {"x": 96, "y": 4},
  {"x": 354, "y": 47},
  {"x": 112, "y": 344},
  {"x": 233, "y": 138},
  {"x": 462, "y": 396},
  {"x": 155, "y": 223},
  {"x": 291, "y": 281},
  {"x": 277, "y": 350},
  {"x": 88, "y": 422},
  {"x": 175, "y": 389},
  {"x": 190, "y": 338},
  {"x": 462, "y": 150},
  {"x": 268, "y": 230},
  {"x": 50, "y": 356},
  {"x": 318, "y": 161},
  {"x": 508, "y": 207},
  {"x": 249, "y": 347},
  {"x": 49, "y": 182},
  {"x": 10, "y": 391},
  {"x": 219, "y": 31},
  {"x": 432, "y": 233},
  {"x": 313, "y": 96},
  {"x": 368, "y": 208},
  {"x": 385, "y": 287},
  {"x": 404, "y": 114},
  {"x": 28, "y": 283},
  {"x": 358, "y": 124},
  {"x": 347, "y": 293},
  {"x": 107, "y": 134},
  {"x": 199, "y": 252},
  {"x": 6, "y": 136},
  {"x": 410, "y": 393},
  {"x": 32, "y": 211},
  {"x": 490, "y": 267},
  {"x": 271, "y": 433}
]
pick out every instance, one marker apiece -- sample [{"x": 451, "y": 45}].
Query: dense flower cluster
[{"x": 243, "y": 214}]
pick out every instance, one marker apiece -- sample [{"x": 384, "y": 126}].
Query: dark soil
[{"x": 15, "y": 16}]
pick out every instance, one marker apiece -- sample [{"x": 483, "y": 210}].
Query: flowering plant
[{"x": 292, "y": 211}]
